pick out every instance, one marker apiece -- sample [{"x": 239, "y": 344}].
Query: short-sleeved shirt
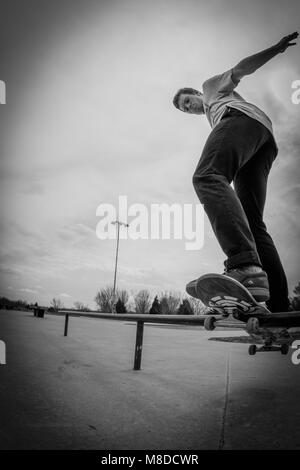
[{"x": 218, "y": 94}]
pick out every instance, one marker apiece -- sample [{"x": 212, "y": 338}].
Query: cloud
[{"x": 27, "y": 290}]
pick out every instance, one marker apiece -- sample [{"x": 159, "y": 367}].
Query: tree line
[{"x": 165, "y": 303}]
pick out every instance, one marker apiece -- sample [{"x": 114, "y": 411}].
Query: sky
[{"x": 89, "y": 117}]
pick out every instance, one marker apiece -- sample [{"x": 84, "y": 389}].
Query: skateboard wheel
[
  {"x": 252, "y": 349},
  {"x": 209, "y": 323},
  {"x": 252, "y": 326},
  {"x": 284, "y": 349}
]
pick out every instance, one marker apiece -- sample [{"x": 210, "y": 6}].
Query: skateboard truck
[
  {"x": 269, "y": 337},
  {"x": 253, "y": 349},
  {"x": 254, "y": 330}
]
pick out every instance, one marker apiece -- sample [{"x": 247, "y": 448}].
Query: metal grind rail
[{"x": 140, "y": 320}]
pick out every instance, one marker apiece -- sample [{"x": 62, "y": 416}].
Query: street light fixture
[{"x": 118, "y": 224}]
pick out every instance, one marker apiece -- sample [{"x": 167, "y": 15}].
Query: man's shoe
[{"x": 254, "y": 280}]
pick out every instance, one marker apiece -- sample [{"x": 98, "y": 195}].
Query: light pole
[{"x": 118, "y": 224}]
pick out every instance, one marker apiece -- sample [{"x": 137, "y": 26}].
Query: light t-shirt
[{"x": 218, "y": 93}]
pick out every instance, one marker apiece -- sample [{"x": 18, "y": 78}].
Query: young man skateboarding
[{"x": 240, "y": 149}]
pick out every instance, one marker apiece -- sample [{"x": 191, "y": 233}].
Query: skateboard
[{"x": 226, "y": 296}]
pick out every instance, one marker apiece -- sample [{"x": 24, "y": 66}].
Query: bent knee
[
  {"x": 202, "y": 178},
  {"x": 198, "y": 177}
]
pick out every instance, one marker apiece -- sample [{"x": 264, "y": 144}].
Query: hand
[{"x": 286, "y": 42}]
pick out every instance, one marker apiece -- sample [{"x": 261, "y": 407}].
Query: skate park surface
[{"x": 196, "y": 389}]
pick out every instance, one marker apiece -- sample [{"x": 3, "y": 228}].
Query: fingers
[
  {"x": 290, "y": 38},
  {"x": 293, "y": 35}
]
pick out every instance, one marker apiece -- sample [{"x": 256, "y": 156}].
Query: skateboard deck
[{"x": 225, "y": 296}]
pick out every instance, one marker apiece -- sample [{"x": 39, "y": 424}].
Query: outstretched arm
[{"x": 252, "y": 63}]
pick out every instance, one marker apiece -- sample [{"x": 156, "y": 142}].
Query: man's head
[{"x": 189, "y": 101}]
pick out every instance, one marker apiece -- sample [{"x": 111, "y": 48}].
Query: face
[{"x": 191, "y": 104}]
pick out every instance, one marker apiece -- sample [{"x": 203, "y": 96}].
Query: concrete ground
[{"x": 81, "y": 392}]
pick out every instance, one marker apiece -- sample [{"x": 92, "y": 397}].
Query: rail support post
[
  {"x": 138, "y": 345},
  {"x": 66, "y": 324}
]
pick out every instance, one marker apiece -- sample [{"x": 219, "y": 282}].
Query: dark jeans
[{"x": 242, "y": 150}]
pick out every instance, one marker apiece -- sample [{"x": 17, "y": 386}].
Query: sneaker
[{"x": 255, "y": 280}]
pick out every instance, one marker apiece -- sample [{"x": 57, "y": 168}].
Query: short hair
[{"x": 184, "y": 91}]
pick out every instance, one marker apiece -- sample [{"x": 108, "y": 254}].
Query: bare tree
[
  {"x": 198, "y": 307},
  {"x": 296, "y": 290},
  {"x": 123, "y": 296},
  {"x": 174, "y": 299},
  {"x": 56, "y": 303},
  {"x": 105, "y": 299},
  {"x": 80, "y": 306},
  {"x": 130, "y": 304},
  {"x": 169, "y": 303},
  {"x": 295, "y": 301},
  {"x": 142, "y": 302}
]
